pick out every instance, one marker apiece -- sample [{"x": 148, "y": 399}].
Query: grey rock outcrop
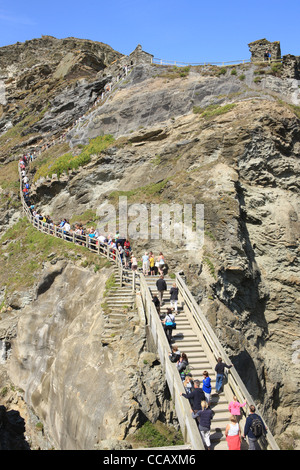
[{"x": 62, "y": 345}]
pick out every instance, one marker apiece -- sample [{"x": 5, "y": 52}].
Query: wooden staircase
[{"x": 187, "y": 338}]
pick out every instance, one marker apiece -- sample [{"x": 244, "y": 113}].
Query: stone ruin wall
[
  {"x": 259, "y": 47},
  {"x": 290, "y": 63}
]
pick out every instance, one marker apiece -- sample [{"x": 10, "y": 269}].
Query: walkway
[{"x": 188, "y": 339}]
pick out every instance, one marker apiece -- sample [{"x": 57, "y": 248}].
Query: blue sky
[{"x": 187, "y": 31}]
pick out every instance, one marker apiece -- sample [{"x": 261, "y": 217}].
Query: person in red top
[{"x": 127, "y": 245}]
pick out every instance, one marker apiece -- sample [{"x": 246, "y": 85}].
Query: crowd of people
[
  {"x": 200, "y": 401},
  {"x": 199, "y": 397}
]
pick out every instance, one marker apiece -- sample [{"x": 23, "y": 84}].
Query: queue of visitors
[
  {"x": 199, "y": 398},
  {"x": 200, "y": 401}
]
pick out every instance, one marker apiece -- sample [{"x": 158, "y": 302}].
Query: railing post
[{"x": 121, "y": 276}]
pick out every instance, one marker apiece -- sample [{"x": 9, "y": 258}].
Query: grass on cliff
[
  {"x": 176, "y": 72},
  {"x": 9, "y": 177},
  {"x": 16, "y": 135},
  {"x": 213, "y": 110},
  {"x": 69, "y": 161},
  {"x": 23, "y": 250},
  {"x": 156, "y": 435},
  {"x": 144, "y": 193}
]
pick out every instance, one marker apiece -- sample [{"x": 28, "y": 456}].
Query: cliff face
[
  {"x": 222, "y": 139},
  {"x": 32, "y": 76},
  {"x": 86, "y": 382}
]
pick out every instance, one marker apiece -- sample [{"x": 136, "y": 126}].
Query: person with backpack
[
  {"x": 175, "y": 355},
  {"x": 169, "y": 324},
  {"x": 254, "y": 429}
]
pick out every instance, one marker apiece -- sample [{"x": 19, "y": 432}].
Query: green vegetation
[
  {"x": 213, "y": 110},
  {"x": 110, "y": 283},
  {"x": 210, "y": 266},
  {"x": 26, "y": 249},
  {"x": 9, "y": 177},
  {"x": 276, "y": 69},
  {"x": 3, "y": 392},
  {"x": 16, "y": 134},
  {"x": 157, "y": 435},
  {"x": 292, "y": 107},
  {"x": 149, "y": 190},
  {"x": 295, "y": 109},
  {"x": 87, "y": 218},
  {"x": 70, "y": 161},
  {"x": 242, "y": 77},
  {"x": 156, "y": 160},
  {"x": 176, "y": 72},
  {"x": 39, "y": 426},
  {"x": 209, "y": 234},
  {"x": 222, "y": 71}
]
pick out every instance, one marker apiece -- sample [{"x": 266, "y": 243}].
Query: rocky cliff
[{"x": 227, "y": 138}]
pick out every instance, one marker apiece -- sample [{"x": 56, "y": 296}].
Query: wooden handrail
[
  {"x": 177, "y": 63},
  {"x": 233, "y": 378},
  {"x": 188, "y": 424}
]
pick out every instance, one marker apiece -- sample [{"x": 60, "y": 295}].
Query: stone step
[
  {"x": 116, "y": 316},
  {"x": 124, "y": 290},
  {"x": 120, "y": 296}
]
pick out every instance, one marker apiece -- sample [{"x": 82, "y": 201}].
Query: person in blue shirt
[{"x": 206, "y": 387}]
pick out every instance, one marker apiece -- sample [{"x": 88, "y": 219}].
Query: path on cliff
[{"x": 188, "y": 339}]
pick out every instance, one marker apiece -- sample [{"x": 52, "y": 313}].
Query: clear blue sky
[{"x": 187, "y": 31}]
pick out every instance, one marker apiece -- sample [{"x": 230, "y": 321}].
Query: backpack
[
  {"x": 185, "y": 372},
  {"x": 171, "y": 323},
  {"x": 256, "y": 427}
]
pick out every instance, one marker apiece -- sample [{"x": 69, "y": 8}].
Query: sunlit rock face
[
  {"x": 226, "y": 140},
  {"x": 85, "y": 382}
]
